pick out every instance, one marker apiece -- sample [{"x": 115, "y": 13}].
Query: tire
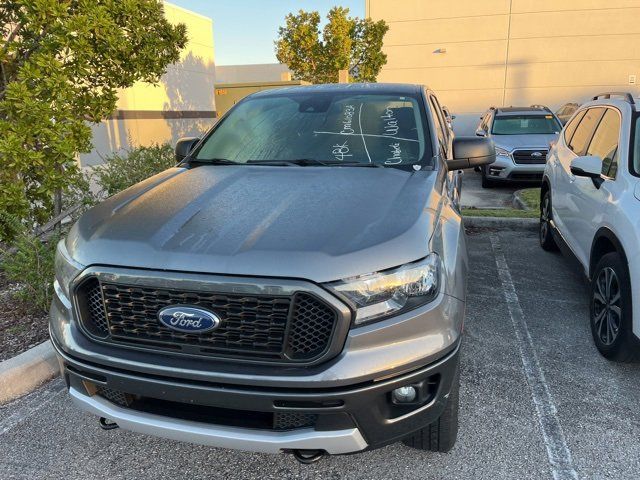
[
  {"x": 547, "y": 241},
  {"x": 440, "y": 436},
  {"x": 610, "y": 312},
  {"x": 486, "y": 182}
]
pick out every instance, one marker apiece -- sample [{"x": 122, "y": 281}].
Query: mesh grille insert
[
  {"x": 311, "y": 327},
  {"x": 115, "y": 396},
  {"x": 292, "y": 420},
  {"x": 89, "y": 296}
]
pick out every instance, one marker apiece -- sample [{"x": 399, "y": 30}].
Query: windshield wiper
[
  {"x": 302, "y": 162},
  {"x": 357, "y": 164},
  {"x": 306, "y": 162},
  {"x": 277, "y": 163},
  {"x": 214, "y": 161}
]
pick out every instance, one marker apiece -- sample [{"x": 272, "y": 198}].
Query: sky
[{"x": 244, "y": 30}]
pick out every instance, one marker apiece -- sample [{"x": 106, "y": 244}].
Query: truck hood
[
  {"x": 514, "y": 142},
  {"x": 317, "y": 223}
]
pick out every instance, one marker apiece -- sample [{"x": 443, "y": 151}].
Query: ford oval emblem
[
  {"x": 188, "y": 319},
  {"x": 536, "y": 154}
]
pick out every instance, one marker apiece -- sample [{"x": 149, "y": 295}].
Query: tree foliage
[
  {"x": 120, "y": 171},
  {"x": 61, "y": 65},
  {"x": 344, "y": 43}
]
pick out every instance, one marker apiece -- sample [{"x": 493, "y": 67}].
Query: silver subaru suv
[
  {"x": 295, "y": 284},
  {"x": 522, "y": 136}
]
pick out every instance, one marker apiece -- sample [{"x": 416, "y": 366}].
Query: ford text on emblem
[
  {"x": 188, "y": 319},
  {"x": 536, "y": 154}
]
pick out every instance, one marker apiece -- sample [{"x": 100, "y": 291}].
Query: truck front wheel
[{"x": 441, "y": 435}]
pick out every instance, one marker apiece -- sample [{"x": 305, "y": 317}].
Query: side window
[
  {"x": 605, "y": 142},
  {"x": 582, "y": 136},
  {"x": 571, "y": 127},
  {"x": 443, "y": 122},
  {"x": 438, "y": 126}
]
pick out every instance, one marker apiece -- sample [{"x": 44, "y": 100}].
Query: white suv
[{"x": 590, "y": 203}]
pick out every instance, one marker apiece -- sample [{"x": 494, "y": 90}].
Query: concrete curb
[
  {"x": 502, "y": 223},
  {"x": 518, "y": 202},
  {"x": 25, "y": 372}
]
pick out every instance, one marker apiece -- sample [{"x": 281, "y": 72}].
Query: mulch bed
[{"x": 20, "y": 326}]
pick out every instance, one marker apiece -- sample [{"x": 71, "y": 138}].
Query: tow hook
[
  {"x": 107, "y": 424},
  {"x": 308, "y": 457}
]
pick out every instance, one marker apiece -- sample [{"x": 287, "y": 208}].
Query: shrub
[
  {"x": 30, "y": 263},
  {"x": 29, "y": 260},
  {"x": 62, "y": 66},
  {"x": 121, "y": 171}
]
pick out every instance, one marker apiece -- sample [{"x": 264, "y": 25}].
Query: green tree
[
  {"x": 344, "y": 43},
  {"x": 61, "y": 65}
]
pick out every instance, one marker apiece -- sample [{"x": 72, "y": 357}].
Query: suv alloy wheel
[{"x": 611, "y": 313}]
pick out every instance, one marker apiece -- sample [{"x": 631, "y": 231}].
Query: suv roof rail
[
  {"x": 543, "y": 107},
  {"x": 625, "y": 95}
]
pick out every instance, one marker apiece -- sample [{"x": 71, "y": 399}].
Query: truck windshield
[
  {"x": 321, "y": 128},
  {"x": 526, "y": 125}
]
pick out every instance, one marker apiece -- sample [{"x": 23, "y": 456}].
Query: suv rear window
[
  {"x": 323, "y": 126},
  {"x": 525, "y": 125}
]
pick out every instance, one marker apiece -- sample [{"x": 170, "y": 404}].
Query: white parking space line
[
  {"x": 31, "y": 404},
  {"x": 557, "y": 450}
]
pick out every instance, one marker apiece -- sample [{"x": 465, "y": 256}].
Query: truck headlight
[
  {"x": 382, "y": 293},
  {"x": 66, "y": 270}
]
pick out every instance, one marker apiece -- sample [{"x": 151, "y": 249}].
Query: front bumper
[
  {"x": 214, "y": 401},
  {"x": 505, "y": 169},
  {"x": 350, "y": 419},
  {"x": 336, "y": 442}
]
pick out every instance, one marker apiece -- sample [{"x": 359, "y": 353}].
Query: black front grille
[
  {"x": 530, "y": 157},
  {"x": 262, "y": 327}
]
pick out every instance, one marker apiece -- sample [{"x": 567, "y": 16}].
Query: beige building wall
[
  {"x": 259, "y": 72},
  {"x": 476, "y": 54},
  {"x": 228, "y": 94},
  {"x": 182, "y": 104}
]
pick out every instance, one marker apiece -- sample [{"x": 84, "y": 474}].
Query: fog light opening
[{"x": 405, "y": 394}]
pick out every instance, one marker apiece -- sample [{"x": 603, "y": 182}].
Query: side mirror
[
  {"x": 481, "y": 133},
  {"x": 470, "y": 152},
  {"x": 184, "y": 146},
  {"x": 589, "y": 166}
]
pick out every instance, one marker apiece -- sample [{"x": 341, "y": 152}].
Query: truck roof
[
  {"x": 520, "y": 110},
  {"x": 390, "y": 88}
]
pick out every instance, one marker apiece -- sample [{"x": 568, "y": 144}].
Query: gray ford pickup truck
[{"x": 295, "y": 284}]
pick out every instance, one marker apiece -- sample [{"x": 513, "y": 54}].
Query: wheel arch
[
  {"x": 604, "y": 241},
  {"x": 544, "y": 188}
]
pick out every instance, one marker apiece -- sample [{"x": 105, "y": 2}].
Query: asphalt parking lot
[{"x": 537, "y": 400}]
